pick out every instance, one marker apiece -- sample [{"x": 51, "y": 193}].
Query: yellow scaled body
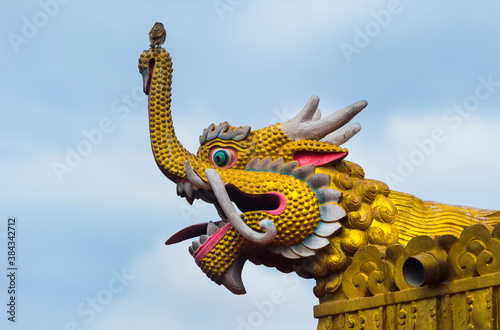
[{"x": 302, "y": 206}]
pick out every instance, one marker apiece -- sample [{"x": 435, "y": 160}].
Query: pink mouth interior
[
  {"x": 282, "y": 204},
  {"x": 273, "y": 203}
]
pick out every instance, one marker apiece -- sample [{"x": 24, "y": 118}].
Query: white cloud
[{"x": 457, "y": 168}]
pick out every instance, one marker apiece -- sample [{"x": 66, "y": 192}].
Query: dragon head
[
  {"x": 280, "y": 191},
  {"x": 286, "y": 204}
]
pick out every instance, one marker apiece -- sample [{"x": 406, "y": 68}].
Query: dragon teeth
[
  {"x": 188, "y": 189},
  {"x": 232, "y": 278},
  {"x": 211, "y": 228},
  {"x": 203, "y": 239},
  {"x": 222, "y": 224},
  {"x": 196, "y": 245},
  {"x": 180, "y": 188}
]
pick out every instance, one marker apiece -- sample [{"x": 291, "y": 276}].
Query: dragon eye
[{"x": 223, "y": 157}]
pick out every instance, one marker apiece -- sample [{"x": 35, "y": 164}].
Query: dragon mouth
[
  {"x": 222, "y": 196},
  {"x": 272, "y": 203}
]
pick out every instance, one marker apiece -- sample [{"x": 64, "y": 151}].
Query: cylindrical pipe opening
[{"x": 421, "y": 269}]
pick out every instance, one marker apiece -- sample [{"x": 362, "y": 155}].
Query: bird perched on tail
[{"x": 157, "y": 35}]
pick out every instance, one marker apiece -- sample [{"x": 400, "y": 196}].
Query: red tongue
[{"x": 189, "y": 232}]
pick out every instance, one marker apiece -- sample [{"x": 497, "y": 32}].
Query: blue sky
[{"x": 90, "y": 241}]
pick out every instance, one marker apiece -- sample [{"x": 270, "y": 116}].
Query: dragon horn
[
  {"x": 308, "y": 112},
  {"x": 342, "y": 135},
  {"x": 307, "y": 125}
]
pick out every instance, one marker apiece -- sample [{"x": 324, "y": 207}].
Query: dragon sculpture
[{"x": 302, "y": 206}]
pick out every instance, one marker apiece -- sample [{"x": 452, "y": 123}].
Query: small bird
[{"x": 157, "y": 35}]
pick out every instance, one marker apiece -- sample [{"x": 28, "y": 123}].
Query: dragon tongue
[
  {"x": 232, "y": 279},
  {"x": 192, "y": 231},
  {"x": 187, "y": 233}
]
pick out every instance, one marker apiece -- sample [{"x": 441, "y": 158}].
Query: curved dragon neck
[{"x": 169, "y": 153}]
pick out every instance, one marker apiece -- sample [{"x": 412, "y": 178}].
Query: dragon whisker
[
  {"x": 225, "y": 203},
  {"x": 195, "y": 179}
]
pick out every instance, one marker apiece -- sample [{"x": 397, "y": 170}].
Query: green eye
[{"x": 223, "y": 157}]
